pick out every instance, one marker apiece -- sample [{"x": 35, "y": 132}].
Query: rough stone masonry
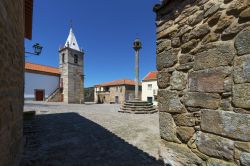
[
  {"x": 11, "y": 80},
  {"x": 203, "y": 59}
]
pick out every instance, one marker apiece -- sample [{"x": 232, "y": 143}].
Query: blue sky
[{"x": 105, "y": 29}]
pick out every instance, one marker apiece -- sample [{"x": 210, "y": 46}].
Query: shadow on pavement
[{"x": 70, "y": 139}]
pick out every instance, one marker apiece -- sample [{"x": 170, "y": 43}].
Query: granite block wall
[
  {"x": 203, "y": 59},
  {"x": 11, "y": 80}
]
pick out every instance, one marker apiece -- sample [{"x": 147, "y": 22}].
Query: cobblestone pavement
[{"x": 89, "y": 135}]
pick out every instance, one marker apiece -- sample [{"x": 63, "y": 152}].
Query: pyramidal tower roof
[{"x": 71, "y": 41}]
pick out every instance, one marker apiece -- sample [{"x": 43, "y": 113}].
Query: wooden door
[{"x": 39, "y": 95}]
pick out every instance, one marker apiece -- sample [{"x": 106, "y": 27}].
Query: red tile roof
[
  {"x": 151, "y": 76},
  {"x": 118, "y": 82},
  {"x": 41, "y": 68}
]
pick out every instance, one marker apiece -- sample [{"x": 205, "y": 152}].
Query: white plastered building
[{"x": 150, "y": 88}]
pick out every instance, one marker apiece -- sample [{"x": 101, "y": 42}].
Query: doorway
[
  {"x": 116, "y": 99},
  {"x": 39, "y": 94},
  {"x": 150, "y": 99}
]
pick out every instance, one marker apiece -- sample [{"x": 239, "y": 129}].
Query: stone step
[
  {"x": 125, "y": 107},
  {"x": 129, "y": 109},
  {"x": 138, "y": 112},
  {"x": 134, "y": 107},
  {"x": 135, "y": 101},
  {"x": 137, "y": 106}
]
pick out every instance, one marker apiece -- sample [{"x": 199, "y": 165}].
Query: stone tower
[{"x": 71, "y": 68}]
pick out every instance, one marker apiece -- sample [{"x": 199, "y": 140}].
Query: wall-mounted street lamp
[{"x": 37, "y": 49}]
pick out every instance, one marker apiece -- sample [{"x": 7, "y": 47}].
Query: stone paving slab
[{"x": 90, "y": 135}]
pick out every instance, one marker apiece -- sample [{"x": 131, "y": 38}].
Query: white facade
[
  {"x": 35, "y": 81},
  {"x": 149, "y": 91},
  {"x": 97, "y": 89}
]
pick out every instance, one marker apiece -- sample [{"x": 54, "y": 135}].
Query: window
[
  {"x": 116, "y": 88},
  {"x": 75, "y": 59},
  {"x": 155, "y": 97},
  {"x": 106, "y": 89},
  {"x": 149, "y": 86},
  {"x": 63, "y": 55}
]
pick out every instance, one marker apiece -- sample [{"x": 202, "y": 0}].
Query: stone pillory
[
  {"x": 203, "y": 63},
  {"x": 137, "y": 106},
  {"x": 137, "y": 46},
  {"x": 71, "y": 69}
]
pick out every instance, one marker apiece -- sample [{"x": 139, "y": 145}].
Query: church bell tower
[{"x": 71, "y": 68}]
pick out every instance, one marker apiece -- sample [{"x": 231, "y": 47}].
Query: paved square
[{"x": 90, "y": 135}]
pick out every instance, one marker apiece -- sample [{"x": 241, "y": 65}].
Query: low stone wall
[
  {"x": 56, "y": 96},
  {"x": 11, "y": 80},
  {"x": 203, "y": 59}
]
